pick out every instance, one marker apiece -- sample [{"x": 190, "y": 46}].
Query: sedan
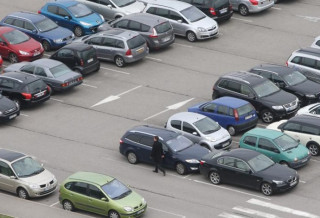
[
  {"x": 248, "y": 168},
  {"x": 56, "y": 74}
]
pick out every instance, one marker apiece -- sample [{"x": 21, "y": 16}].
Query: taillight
[
  {"x": 287, "y": 63},
  {"x": 121, "y": 141},
  {"x": 39, "y": 12},
  {"x": 81, "y": 62},
  {"x": 27, "y": 95},
  {"x": 80, "y": 78},
  {"x": 64, "y": 84},
  {"x": 236, "y": 115},
  {"x": 212, "y": 11},
  {"x": 49, "y": 89},
  {"x": 154, "y": 34},
  {"x": 128, "y": 53},
  {"x": 254, "y": 2},
  {"x": 202, "y": 162}
]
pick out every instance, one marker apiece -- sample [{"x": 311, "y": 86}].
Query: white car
[
  {"x": 316, "y": 43},
  {"x": 312, "y": 109},
  {"x": 304, "y": 128},
  {"x": 200, "y": 129}
]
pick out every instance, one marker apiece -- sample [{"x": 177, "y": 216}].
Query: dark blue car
[
  {"x": 181, "y": 154},
  {"x": 39, "y": 27},
  {"x": 73, "y": 15},
  {"x": 233, "y": 114}
]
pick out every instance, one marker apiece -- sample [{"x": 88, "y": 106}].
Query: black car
[
  {"x": 181, "y": 154},
  {"x": 81, "y": 58},
  {"x": 248, "y": 168},
  {"x": 217, "y": 9},
  {"x": 290, "y": 80},
  {"x": 8, "y": 109},
  {"x": 23, "y": 88},
  {"x": 269, "y": 101}
]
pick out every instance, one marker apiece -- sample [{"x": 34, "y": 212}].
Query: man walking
[{"x": 157, "y": 155}]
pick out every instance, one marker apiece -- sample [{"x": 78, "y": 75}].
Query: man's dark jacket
[{"x": 157, "y": 151}]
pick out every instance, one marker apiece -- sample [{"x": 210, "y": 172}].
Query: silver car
[
  {"x": 186, "y": 20},
  {"x": 316, "y": 43},
  {"x": 200, "y": 129},
  {"x": 312, "y": 110},
  {"x": 251, "y": 6},
  {"x": 114, "y": 9},
  {"x": 21, "y": 174}
]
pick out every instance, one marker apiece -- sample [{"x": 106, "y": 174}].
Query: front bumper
[
  {"x": 207, "y": 34},
  {"x": 286, "y": 186},
  {"x": 137, "y": 213},
  {"x": 9, "y": 116},
  {"x": 34, "y": 193},
  {"x": 223, "y": 145},
  {"x": 300, "y": 163}
]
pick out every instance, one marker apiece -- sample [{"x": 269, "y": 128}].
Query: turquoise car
[{"x": 277, "y": 145}]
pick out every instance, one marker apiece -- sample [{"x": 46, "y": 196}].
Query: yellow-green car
[{"x": 100, "y": 194}]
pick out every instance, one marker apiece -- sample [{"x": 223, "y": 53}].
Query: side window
[
  {"x": 133, "y": 25},
  {"x": 164, "y": 148},
  {"x": 223, "y": 84},
  {"x": 119, "y": 44},
  {"x": 234, "y": 86},
  {"x": 318, "y": 43},
  {"x": 266, "y": 145},
  {"x": 175, "y": 16},
  {"x": 296, "y": 60},
  {"x": 277, "y": 79},
  {"x": 68, "y": 185},
  {"x": 65, "y": 53},
  {"x": 245, "y": 90},
  {"x": 53, "y": 9},
  {"x": 28, "y": 69},
  {"x": 103, "y": 2},
  {"x": 241, "y": 165},
  {"x": 18, "y": 23},
  {"x": 151, "y": 10},
  {"x": 147, "y": 140},
  {"x": 198, "y": 2},
  {"x": 308, "y": 62},
  {"x": 122, "y": 24},
  {"x": 133, "y": 137},
  {"x": 79, "y": 187},
  {"x": 94, "y": 192},
  {"x": 228, "y": 161},
  {"x": 250, "y": 140},
  {"x": 223, "y": 110},
  {"x": 62, "y": 12},
  {"x": 7, "y": 84},
  {"x": 9, "y": 20},
  {"x": 94, "y": 41},
  {"x": 29, "y": 26},
  {"x": 176, "y": 124},
  {"x": 5, "y": 169},
  {"x": 318, "y": 65},
  {"x": 265, "y": 74},
  {"x": 144, "y": 28},
  {"x": 292, "y": 127},
  {"x": 210, "y": 107},
  {"x": 163, "y": 12},
  {"x": 40, "y": 72},
  {"x": 109, "y": 42},
  {"x": 188, "y": 128},
  {"x": 310, "y": 130}
]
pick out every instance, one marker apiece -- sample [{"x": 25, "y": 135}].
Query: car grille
[
  {"x": 291, "y": 180},
  {"x": 9, "y": 111},
  {"x": 47, "y": 191},
  {"x": 291, "y": 106},
  {"x": 137, "y": 207},
  {"x": 44, "y": 185},
  {"x": 212, "y": 28}
]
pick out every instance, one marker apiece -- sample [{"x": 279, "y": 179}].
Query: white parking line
[
  {"x": 248, "y": 21},
  {"x": 255, "y": 212},
  {"x": 117, "y": 71},
  {"x": 84, "y": 84},
  {"x": 25, "y": 115},
  {"x": 277, "y": 8},
  {"x": 155, "y": 59},
  {"x": 163, "y": 211},
  {"x": 183, "y": 45},
  {"x": 54, "y": 204},
  {"x": 228, "y": 215},
  {"x": 46, "y": 55},
  {"x": 56, "y": 99},
  {"x": 304, "y": 182}
]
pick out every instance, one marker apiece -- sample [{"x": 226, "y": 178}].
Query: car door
[
  {"x": 107, "y": 9},
  {"x": 209, "y": 110},
  {"x": 146, "y": 142},
  {"x": 268, "y": 148},
  {"x": 180, "y": 24},
  {"x": 223, "y": 115},
  {"x": 31, "y": 30},
  {"x": 96, "y": 42},
  {"x": 107, "y": 49},
  {"x": 4, "y": 48},
  {"x": 235, "y": 4},
  {"x": 78, "y": 195},
  {"x": 7, "y": 87},
  {"x": 249, "y": 142},
  {"x": 41, "y": 73},
  {"x": 7, "y": 183},
  {"x": 169, "y": 156},
  {"x": 278, "y": 81},
  {"x": 190, "y": 132},
  {"x": 66, "y": 56},
  {"x": 227, "y": 167},
  {"x": 97, "y": 201},
  {"x": 243, "y": 174},
  {"x": 294, "y": 130}
]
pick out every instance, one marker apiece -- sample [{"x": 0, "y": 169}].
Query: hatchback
[
  {"x": 8, "y": 109},
  {"x": 312, "y": 109},
  {"x": 73, "y": 15},
  {"x": 117, "y": 45},
  {"x": 251, "y": 6},
  {"x": 80, "y": 58},
  {"x": 100, "y": 194},
  {"x": 21, "y": 174},
  {"x": 40, "y": 28},
  {"x": 233, "y": 114},
  {"x": 17, "y": 46}
]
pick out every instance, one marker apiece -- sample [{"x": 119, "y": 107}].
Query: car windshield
[
  {"x": 136, "y": 42},
  {"x": 265, "y": 88},
  {"x": 245, "y": 109},
  {"x": 260, "y": 162},
  {"x": 59, "y": 70},
  {"x": 80, "y": 10},
  {"x": 116, "y": 190},
  {"x": 294, "y": 78},
  {"x": 35, "y": 86},
  {"x": 207, "y": 126},
  {"x": 16, "y": 37},
  {"x": 123, "y": 3},
  {"x": 46, "y": 25},
  {"x": 27, "y": 167},
  {"x": 285, "y": 142},
  {"x": 179, "y": 143},
  {"x": 193, "y": 14}
]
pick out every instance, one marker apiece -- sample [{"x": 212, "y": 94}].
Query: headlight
[
  {"x": 192, "y": 161},
  {"x": 17, "y": 105},
  {"x": 201, "y": 29},
  {"x": 0, "y": 112},
  {"x": 58, "y": 40},
  {"x": 32, "y": 185},
  {"x": 24, "y": 52},
  {"x": 278, "y": 182},
  {"x": 295, "y": 159},
  {"x": 143, "y": 201},
  {"x": 85, "y": 24},
  {"x": 72, "y": 36},
  {"x": 102, "y": 18},
  {"x": 128, "y": 209},
  {"x": 279, "y": 107},
  {"x": 310, "y": 96},
  {"x": 210, "y": 139}
]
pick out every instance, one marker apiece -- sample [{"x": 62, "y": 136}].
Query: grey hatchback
[
  {"x": 117, "y": 45},
  {"x": 156, "y": 30}
]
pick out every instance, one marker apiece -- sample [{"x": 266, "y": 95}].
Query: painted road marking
[
  {"x": 163, "y": 211},
  {"x": 228, "y": 215},
  {"x": 46, "y": 55},
  {"x": 248, "y": 21},
  {"x": 277, "y": 8},
  {"x": 255, "y": 212},
  {"x": 315, "y": 160},
  {"x": 311, "y": 19},
  {"x": 58, "y": 100},
  {"x": 84, "y": 84},
  {"x": 54, "y": 204},
  {"x": 154, "y": 59},
  {"x": 117, "y": 71},
  {"x": 24, "y": 115}
]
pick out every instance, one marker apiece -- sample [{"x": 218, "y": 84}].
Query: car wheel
[
  {"x": 284, "y": 163},
  {"x": 13, "y": 58},
  {"x": 313, "y": 148},
  {"x": 215, "y": 177},
  {"x": 78, "y": 31},
  {"x": 22, "y": 193},
  {"x": 181, "y": 168},
  {"x": 266, "y": 189},
  {"x": 119, "y": 61},
  {"x": 67, "y": 205},
  {"x": 113, "y": 214},
  {"x": 132, "y": 157},
  {"x": 231, "y": 130},
  {"x": 267, "y": 116},
  {"x": 191, "y": 36},
  {"x": 46, "y": 45},
  {"x": 243, "y": 10},
  {"x": 17, "y": 101}
]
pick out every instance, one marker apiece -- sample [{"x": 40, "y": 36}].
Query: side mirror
[
  {"x": 34, "y": 31},
  {"x": 276, "y": 151},
  {"x": 12, "y": 177},
  {"x": 249, "y": 171},
  {"x": 179, "y": 21},
  {"x": 298, "y": 140},
  {"x": 42, "y": 165},
  {"x": 109, "y": 6},
  {"x": 67, "y": 17},
  {"x": 104, "y": 199},
  {"x": 195, "y": 133}
]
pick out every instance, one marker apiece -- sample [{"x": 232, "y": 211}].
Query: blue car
[
  {"x": 233, "y": 114},
  {"x": 73, "y": 15},
  {"x": 39, "y": 27},
  {"x": 181, "y": 154}
]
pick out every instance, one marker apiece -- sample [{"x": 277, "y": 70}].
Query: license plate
[
  {"x": 12, "y": 116},
  {"x": 40, "y": 94},
  {"x": 140, "y": 50},
  {"x": 36, "y": 53},
  {"x": 165, "y": 39},
  {"x": 248, "y": 117},
  {"x": 90, "y": 60},
  {"x": 292, "y": 184},
  {"x": 224, "y": 10},
  {"x": 141, "y": 211},
  {"x": 225, "y": 144}
]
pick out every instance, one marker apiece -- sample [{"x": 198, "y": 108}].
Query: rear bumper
[
  {"x": 36, "y": 101},
  {"x": 247, "y": 125},
  {"x": 159, "y": 44},
  {"x": 60, "y": 89},
  {"x": 226, "y": 16},
  {"x": 91, "y": 68},
  {"x": 131, "y": 58},
  {"x": 258, "y": 8}
]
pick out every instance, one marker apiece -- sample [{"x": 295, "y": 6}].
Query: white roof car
[{"x": 312, "y": 109}]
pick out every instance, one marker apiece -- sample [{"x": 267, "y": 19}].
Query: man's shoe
[{"x": 155, "y": 171}]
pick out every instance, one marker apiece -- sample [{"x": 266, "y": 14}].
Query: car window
[
  {"x": 15, "y": 37},
  {"x": 245, "y": 109},
  {"x": 18, "y": 23},
  {"x": 65, "y": 53},
  {"x": 87, "y": 54},
  {"x": 147, "y": 140},
  {"x": 193, "y": 14},
  {"x": 151, "y": 10},
  {"x": 133, "y": 137},
  {"x": 79, "y": 187},
  {"x": 119, "y": 44},
  {"x": 175, "y": 16},
  {"x": 79, "y": 10},
  {"x": 69, "y": 185},
  {"x": 295, "y": 127},
  {"x": 136, "y": 42},
  {"x": 62, "y": 12},
  {"x": 176, "y": 124},
  {"x": 133, "y": 25},
  {"x": 29, "y": 26},
  {"x": 95, "y": 192},
  {"x": 52, "y": 9},
  {"x": 318, "y": 43},
  {"x": 227, "y": 161},
  {"x": 211, "y": 107},
  {"x": 310, "y": 130},
  {"x": 40, "y": 72},
  {"x": 250, "y": 140},
  {"x": 28, "y": 69},
  {"x": 186, "y": 127},
  {"x": 265, "y": 74},
  {"x": 207, "y": 125},
  {"x": 245, "y": 90},
  {"x": 104, "y": 2},
  {"x": 266, "y": 145},
  {"x": 109, "y": 42},
  {"x": 7, "y": 83},
  {"x": 144, "y": 28},
  {"x": 9, "y": 20},
  {"x": 5, "y": 169},
  {"x": 35, "y": 86},
  {"x": 234, "y": 86},
  {"x": 122, "y": 24},
  {"x": 318, "y": 65},
  {"x": 163, "y": 12},
  {"x": 94, "y": 41},
  {"x": 223, "y": 84},
  {"x": 241, "y": 165},
  {"x": 308, "y": 62},
  {"x": 224, "y": 110},
  {"x": 163, "y": 27},
  {"x": 59, "y": 70},
  {"x": 296, "y": 60}
]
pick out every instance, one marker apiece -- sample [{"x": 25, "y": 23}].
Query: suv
[
  {"x": 269, "y": 101},
  {"x": 217, "y": 9},
  {"x": 8, "y": 109},
  {"x": 40, "y": 28},
  {"x": 290, "y": 80},
  {"x": 307, "y": 61},
  {"x": 186, "y": 19},
  {"x": 304, "y": 128},
  {"x": 81, "y": 58},
  {"x": 24, "y": 88},
  {"x": 180, "y": 153},
  {"x": 21, "y": 174}
]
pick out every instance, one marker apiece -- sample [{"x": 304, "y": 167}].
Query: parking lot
[{"x": 79, "y": 130}]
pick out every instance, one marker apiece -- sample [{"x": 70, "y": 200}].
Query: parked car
[
  {"x": 73, "y": 15},
  {"x": 245, "y": 7},
  {"x": 186, "y": 20},
  {"x": 251, "y": 169},
  {"x": 290, "y": 80},
  {"x": 1, "y": 62},
  {"x": 17, "y": 46},
  {"x": 181, "y": 153},
  {"x": 21, "y": 174},
  {"x": 219, "y": 10},
  {"x": 40, "y": 28},
  {"x": 276, "y": 145},
  {"x": 269, "y": 101},
  {"x": 312, "y": 109},
  {"x": 80, "y": 58},
  {"x": 233, "y": 114},
  {"x": 316, "y": 43},
  {"x": 156, "y": 30},
  {"x": 8, "y": 109},
  {"x": 107, "y": 196},
  {"x": 57, "y": 75},
  {"x": 117, "y": 45},
  {"x": 114, "y": 9},
  {"x": 307, "y": 61},
  {"x": 200, "y": 129},
  {"x": 304, "y": 128},
  {"x": 24, "y": 89}
]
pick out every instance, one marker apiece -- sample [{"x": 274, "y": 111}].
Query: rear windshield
[
  {"x": 163, "y": 27},
  {"x": 245, "y": 109},
  {"x": 35, "y": 86},
  {"x": 220, "y": 3},
  {"x": 136, "y": 42},
  {"x": 59, "y": 70},
  {"x": 87, "y": 54}
]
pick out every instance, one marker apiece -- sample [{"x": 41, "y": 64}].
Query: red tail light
[
  {"x": 154, "y": 34},
  {"x": 64, "y": 84},
  {"x": 212, "y": 11},
  {"x": 27, "y": 95},
  {"x": 236, "y": 115},
  {"x": 128, "y": 53},
  {"x": 287, "y": 63},
  {"x": 81, "y": 62},
  {"x": 121, "y": 141},
  {"x": 230, "y": 7},
  {"x": 254, "y": 2},
  {"x": 80, "y": 78},
  {"x": 39, "y": 12},
  {"x": 202, "y": 162},
  {"x": 49, "y": 89}
]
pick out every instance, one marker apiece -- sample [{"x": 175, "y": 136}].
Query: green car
[
  {"x": 100, "y": 194},
  {"x": 277, "y": 145}
]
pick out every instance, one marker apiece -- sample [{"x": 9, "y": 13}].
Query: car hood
[
  {"x": 57, "y": 33},
  {"x": 27, "y": 46},
  {"x": 219, "y": 135},
  {"x": 93, "y": 19},
  {"x": 193, "y": 152},
  {"x": 136, "y": 7},
  {"x": 71, "y": 75},
  {"x": 279, "y": 98},
  {"x": 132, "y": 200},
  {"x": 206, "y": 23},
  {"x": 299, "y": 152},
  {"x": 15, "y": 67},
  {"x": 278, "y": 172},
  {"x": 275, "y": 125},
  {"x": 307, "y": 87},
  {"x": 42, "y": 178},
  {"x": 6, "y": 104}
]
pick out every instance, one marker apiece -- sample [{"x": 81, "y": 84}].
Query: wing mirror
[
  {"x": 3, "y": 43},
  {"x": 179, "y": 21},
  {"x": 251, "y": 95},
  {"x": 195, "y": 133},
  {"x": 12, "y": 177},
  {"x": 104, "y": 199},
  {"x": 109, "y": 6}
]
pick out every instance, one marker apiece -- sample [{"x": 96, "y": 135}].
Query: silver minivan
[{"x": 186, "y": 20}]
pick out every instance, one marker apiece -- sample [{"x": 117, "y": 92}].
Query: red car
[
  {"x": 17, "y": 46},
  {"x": 1, "y": 61}
]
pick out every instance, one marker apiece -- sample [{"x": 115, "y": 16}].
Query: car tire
[
  {"x": 191, "y": 36},
  {"x": 313, "y": 148},
  {"x": 214, "y": 177},
  {"x": 113, "y": 214},
  {"x": 266, "y": 189},
  {"x": 67, "y": 205},
  {"x": 232, "y": 131},
  {"x": 22, "y": 193},
  {"x": 13, "y": 58},
  {"x": 17, "y": 101},
  {"x": 132, "y": 157},
  {"x": 46, "y": 45},
  {"x": 181, "y": 168},
  {"x": 78, "y": 31},
  {"x": 267, "y": 116},
  {"x": 119, "y": 61},
  {"x": 243, "y": 10},
  {"x": 284, "y": 163}
]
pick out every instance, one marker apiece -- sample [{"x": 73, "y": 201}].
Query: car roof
[
  {"x": 279, "y": 69},
  {"x": 242, "y": 153},
  {"x": 164, "y": 134},
  {"x": 5, "y": 29},
  {"x": 47, "y": 63},
  {"x": 304, "y": 118},
  {"x": 177, "y": 5},
  {"x": 148, "y": 19},
  {"x": 20, "y": 77},
  {"x": 122, "y": 33},
  {"x": 33, "y": 17},
  {"x": 310, "y": 51},
  {"x": 245, "y": 77},
  {"x": 77, "y": 46},
  {"x": 65, "y": 3},
  {"x": 268, "y": 133},
  {"x": 10, "y": 156},
  {"x": 91, "y": 177},
  {"x": 230, "y": 102},
  {"x": 188, "y": 116}
]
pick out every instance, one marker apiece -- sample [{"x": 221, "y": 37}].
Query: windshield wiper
[{"x": 123, "y": 195}]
